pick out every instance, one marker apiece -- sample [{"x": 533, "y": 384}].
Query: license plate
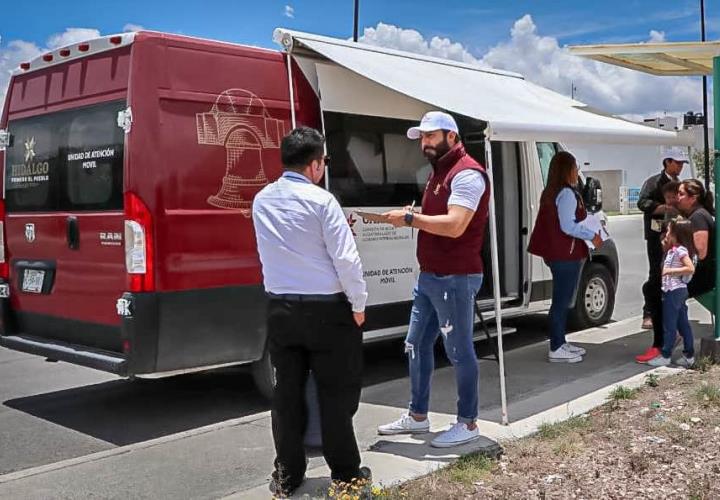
[{"x": 33, "y": 281}]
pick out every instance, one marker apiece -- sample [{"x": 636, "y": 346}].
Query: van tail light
[
  {"x": 139, "y": 250},
  {"x": 4, "y": 264}
]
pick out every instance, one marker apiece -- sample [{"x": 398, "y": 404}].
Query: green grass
[
  {"x": 469, "y": 469},
  {"x": 577, "y": 423},
  {"x": 652, "y": 380},
  {"x": 709, "y": 395},
  {"x": 703, "y": 364},
  {"x": 621, "y": 393}
]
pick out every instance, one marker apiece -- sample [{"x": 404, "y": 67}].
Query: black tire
[
  {"x": 264, "y": 375},
  {"x": 595, "y": 298}
]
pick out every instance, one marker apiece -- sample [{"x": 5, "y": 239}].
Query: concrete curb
[{"x": 389, "y": 469}]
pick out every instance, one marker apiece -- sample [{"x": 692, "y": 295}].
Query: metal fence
[{"x": 628, "y": 199}]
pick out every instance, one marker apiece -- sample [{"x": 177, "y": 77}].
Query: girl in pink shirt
[{"x": 677, "y": 270}]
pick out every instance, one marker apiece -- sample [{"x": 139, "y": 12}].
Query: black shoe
[
  {"x": 364, "y": 475},
  {"x": 282, "y": 491}
]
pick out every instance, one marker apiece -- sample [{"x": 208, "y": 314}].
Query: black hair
[
  {"x": 706, "y": 199},
  {"x": 670, "y": 187},
  {"x": 300, "y": 147}
]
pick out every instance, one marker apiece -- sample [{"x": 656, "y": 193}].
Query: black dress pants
[
  {"x": 306, "y": 335},
  {"x": 651, "y": 288}
]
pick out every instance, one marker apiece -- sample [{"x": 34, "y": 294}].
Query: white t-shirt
[{"x": 466, "y": 189}]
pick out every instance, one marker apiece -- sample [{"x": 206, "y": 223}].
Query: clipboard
[{"x": 372, "y": 216}]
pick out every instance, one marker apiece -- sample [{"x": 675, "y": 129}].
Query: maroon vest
[
  {"x": 549, "y": 241},
  {"x": 441, "y": 254}
]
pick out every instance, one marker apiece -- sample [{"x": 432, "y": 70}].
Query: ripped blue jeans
[{"x": 444, "y": 305}]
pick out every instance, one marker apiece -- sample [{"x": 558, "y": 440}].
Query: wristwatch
[{"x": 409, "y": 216}]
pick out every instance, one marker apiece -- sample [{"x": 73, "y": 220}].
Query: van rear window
[{"x": 66, "y": 161}]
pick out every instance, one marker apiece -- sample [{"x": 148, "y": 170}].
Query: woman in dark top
[{"x": 697, "y": 205}]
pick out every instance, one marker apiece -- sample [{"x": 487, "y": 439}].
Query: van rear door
[{"x": 65, "y": 224}]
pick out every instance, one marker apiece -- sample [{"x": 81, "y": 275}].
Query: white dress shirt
[{"x": 305, "y": 243}]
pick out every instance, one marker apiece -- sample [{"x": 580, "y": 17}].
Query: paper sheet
[
  {"x": 592, "y": 222},
  {"x": 372, "y": 216}
]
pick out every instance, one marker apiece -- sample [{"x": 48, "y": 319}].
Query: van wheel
[
  {"x": 264, "y": 375},
  {"x": 596, "y": 298}
]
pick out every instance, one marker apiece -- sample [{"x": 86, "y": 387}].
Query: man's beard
[{"x": 433, "y": 154}]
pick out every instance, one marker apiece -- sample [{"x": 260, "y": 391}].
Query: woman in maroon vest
[{"x": 558, "y": 238}]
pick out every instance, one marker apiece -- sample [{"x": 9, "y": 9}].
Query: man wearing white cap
[
  {"x": 450, "y": 239},
  {"x": 652, "y": 204}
]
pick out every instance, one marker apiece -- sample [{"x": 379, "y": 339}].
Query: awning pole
[
  {"x": 292, "y": 90},
  {"x": 716, "y": 162},
  {"x": 496, "y": 281}
]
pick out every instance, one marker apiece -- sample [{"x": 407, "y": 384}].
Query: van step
[
  {"x": 489, "y": 304},
  {"x": 480, "y": 334},
  {"x": 71, "y": 353}
]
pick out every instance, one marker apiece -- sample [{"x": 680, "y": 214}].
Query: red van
[{"x": 130, "y": 164}]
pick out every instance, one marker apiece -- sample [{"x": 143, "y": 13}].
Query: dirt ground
[{"x": 661, "y": 441}]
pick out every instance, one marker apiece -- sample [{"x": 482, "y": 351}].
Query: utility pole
[
  {"x": 355, "y": 20},
  {"x": 705, "y": 104}
]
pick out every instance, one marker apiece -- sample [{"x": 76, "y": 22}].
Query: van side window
[
  {"x": 372, "y": 162},
  {"x": 546, "y": 150},
  {"x": 69, "y": 160},
  {"x": 95, "y": 161}
]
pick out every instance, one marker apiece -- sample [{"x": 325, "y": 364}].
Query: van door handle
[{"x": 73, "y": 233}]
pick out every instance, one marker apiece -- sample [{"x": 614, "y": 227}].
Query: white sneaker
[
  {"x": 685, "y": 362},
  {"x": 659, "y": 361},
  {"x": 457, "y": 434},
  {"x": 562, "y": 355},
  {"x": 404, "y": 425},
  {"x": 574, "y": 349}
]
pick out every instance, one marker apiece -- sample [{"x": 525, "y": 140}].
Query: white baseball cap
[
  {"x": 677, "y": 153},
  {"x": 433, "y": 120}
]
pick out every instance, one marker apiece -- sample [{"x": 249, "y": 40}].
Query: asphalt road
[{"x": 54, "y": 411}]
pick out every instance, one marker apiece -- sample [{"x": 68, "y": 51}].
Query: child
[
  {"x": 670, "y": 193},
  {"x": 677, "y": 270}
]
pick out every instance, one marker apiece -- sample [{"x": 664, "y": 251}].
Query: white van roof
[{"x": 514, "y": 108}]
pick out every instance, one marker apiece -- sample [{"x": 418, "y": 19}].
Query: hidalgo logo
[{"x": 29, "y": 149}]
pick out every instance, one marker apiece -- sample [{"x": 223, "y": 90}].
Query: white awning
[{"x": 514, "y": 108}]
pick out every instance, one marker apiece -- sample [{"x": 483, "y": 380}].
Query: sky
[{"x": 525, "y": 36}]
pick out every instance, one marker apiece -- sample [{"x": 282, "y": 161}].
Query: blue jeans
[
  {"x": 444, "y": 304},
  {"x": 675, "y": 319},
  {"x": 565, "y": 275}
]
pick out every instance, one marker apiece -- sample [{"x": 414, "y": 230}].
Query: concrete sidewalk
[{"x": 233, "y": 459}]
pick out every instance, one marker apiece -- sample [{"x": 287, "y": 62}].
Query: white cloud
[
  {"x": 387, "y": 35},
  {"x": 70, "y": 36},
  {"x": 18, "y": 51},
  {"x": 133, "y": 27},
  {"x": 289, "y": 11},
  {"x": 657, "y": 36},
  {"x": 543, "y": 61}
]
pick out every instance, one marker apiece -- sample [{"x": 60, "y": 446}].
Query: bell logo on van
[
  {"x": 29, "y": 233},
  {"x": 240, "y": 122}
]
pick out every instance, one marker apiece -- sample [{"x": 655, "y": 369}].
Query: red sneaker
[{"x": 651, "y": 353}]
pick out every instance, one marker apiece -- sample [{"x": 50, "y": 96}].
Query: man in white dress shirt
[{"x": 314, "y": 280}]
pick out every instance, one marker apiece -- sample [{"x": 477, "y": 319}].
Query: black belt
[{"x": 308, "y": 297}]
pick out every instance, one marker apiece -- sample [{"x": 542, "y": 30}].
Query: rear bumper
[
  {"x": 71, "y": 353},
  {"x": 159, "y": 332}
]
